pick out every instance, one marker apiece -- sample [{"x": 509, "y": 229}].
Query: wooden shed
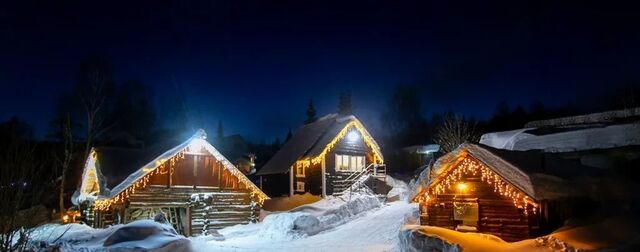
[
  {"x": 191, "y": 182},
  {"x": 476, "y": 188}
]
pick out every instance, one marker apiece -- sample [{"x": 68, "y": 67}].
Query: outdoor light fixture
[
  {"x": 462, "y": 187},
  {"x": 197, "y": 145},
  {"x": 353, "y": 136}
]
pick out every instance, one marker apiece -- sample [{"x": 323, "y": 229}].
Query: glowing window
[
  {"x": 300, "y": 171},
  {"x": 349, "y": 163}
]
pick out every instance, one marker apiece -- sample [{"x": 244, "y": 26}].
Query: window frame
[
  {"x": 298, "y": 174},
  {"x": 351, "y": 161},
  {"x": 300, "y": 186}
]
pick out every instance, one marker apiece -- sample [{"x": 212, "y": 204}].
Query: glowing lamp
[
  {"x": 65, "y": 218},
  {"x": 353, "y": 136},
  {"x": 197, "y": 145},
  {"x": 462, "y": 187}
]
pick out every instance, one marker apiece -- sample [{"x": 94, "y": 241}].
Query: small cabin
[
  {"x": 324, "y": 157},
  {"x": 191, "y": 182},
  {"x": 509, "y": 194}
]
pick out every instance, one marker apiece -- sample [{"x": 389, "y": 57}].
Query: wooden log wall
[
  {"x": 228, "y": 203},
  {"x": 225, "y": 207},
  {"x": 496, "y": 213}
]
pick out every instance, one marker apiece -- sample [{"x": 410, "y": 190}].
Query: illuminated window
[
  {"x": 299, "y": 186},
  {"x": 349, "y": 163},
  {"x": 300, "y": 171}
]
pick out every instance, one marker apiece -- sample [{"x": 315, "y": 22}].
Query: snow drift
[
  {"x": 143, "y": 235},
  {"x": 316, "y": 217}
]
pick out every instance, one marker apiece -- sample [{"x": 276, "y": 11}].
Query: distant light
[
  {"x": 353, "y": 136},
  {"x": 462, "y": 187}
]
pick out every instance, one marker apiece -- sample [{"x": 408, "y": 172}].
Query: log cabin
[
  {"x": 323, "y": 158},
  {"x": 509, "y": 194},
  {"x": 191, "y": 182}
]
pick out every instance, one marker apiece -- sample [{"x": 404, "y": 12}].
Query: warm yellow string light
[
  {"x": 353, "y": 124},
  {"x": 470, "y": 166},
  {"x": 104, "y": 204}
]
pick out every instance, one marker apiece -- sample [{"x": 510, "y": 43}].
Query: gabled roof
[
  {"x": 531, "y": 172},
  {"x": 119, "y": 168},
  {"x": 310, "y": 141}
]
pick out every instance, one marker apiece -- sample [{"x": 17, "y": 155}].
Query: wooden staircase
[{"x": 369, "y": 177}]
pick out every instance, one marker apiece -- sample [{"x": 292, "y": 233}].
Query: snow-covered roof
[
  {"x": 422, "y": 149},
  {"x": 126, "y": 171},
  {"x": 616, "y": 116},
  {"x": 309, "y": 141},
  {"x": 565, "y": 139},
  {"x": 528, "y": 171}
]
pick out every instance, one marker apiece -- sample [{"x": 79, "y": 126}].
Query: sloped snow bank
[
  {"x": 143, "y": 235},
  {"x": 347, "y": 211},
  {"x": 288, "y": 226},
  {"x": 399, "y": 189},
  {"x": 316, "y": 217}
]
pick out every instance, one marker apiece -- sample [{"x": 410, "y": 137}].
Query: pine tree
[
  {"x": 220, "y": 131},
  {"x": 289, "y": 135},
  {"x": 311, "y": 113},
  {"x": 344, "y": 103}
]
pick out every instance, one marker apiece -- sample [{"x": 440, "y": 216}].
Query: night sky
[{"x": 254, "y": 65}]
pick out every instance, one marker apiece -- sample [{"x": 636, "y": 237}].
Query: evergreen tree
[
  {"x": 311, "y": 113},
  {"x": 344, "y": 103},
  {"x": 289, "y": 135},
  {"x": 220, "y": 131}
]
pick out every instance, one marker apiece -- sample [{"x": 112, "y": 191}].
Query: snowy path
[{"x": 373, "y": 231}]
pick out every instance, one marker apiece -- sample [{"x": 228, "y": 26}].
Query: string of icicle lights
[
  {"x": 469, "y": 166},
  {"x": 353, "y": 124},
  {"x": 161, "y": 167}
]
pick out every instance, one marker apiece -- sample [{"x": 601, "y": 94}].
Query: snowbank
[
  {"x": 316, "y": 217},
  {"x": 138, "y": 235},
  {"x": 288, "y": 226},
  {"x": 619, "y": 233},
  {"x": 399, "y": 189},
  {"x": 427, "y": 238}
]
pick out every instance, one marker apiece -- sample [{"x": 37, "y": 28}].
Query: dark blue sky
[{"x": 255, "y": 64}]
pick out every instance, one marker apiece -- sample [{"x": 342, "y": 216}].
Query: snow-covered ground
[
  {"x": 352, "y": 222},
  {"x": 374, "y": 230}
]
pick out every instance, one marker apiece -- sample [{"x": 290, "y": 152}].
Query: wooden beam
[{"x": 195, "y": 171}]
